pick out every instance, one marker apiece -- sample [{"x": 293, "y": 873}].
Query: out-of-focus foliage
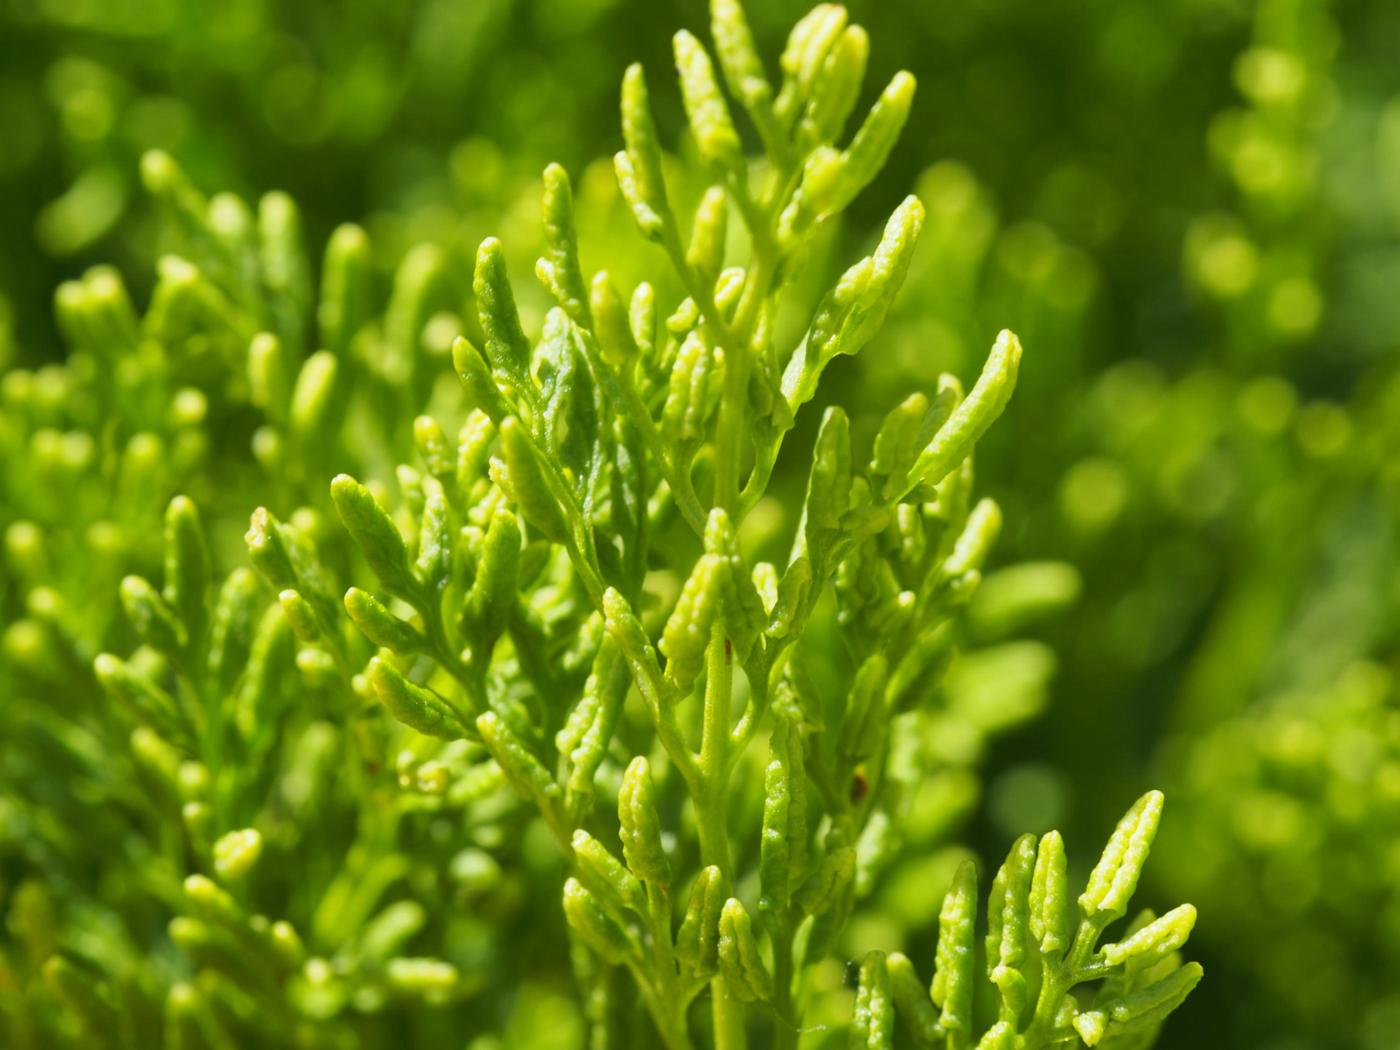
[
  {"x": 202, "y": 839},
  {"x": 1215, "y": 451},
  {"x": 1190, "y": 209}
]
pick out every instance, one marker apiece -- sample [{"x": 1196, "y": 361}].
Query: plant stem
[
  {"x": 728, "y": 1012},
  {"x": 785, "y": 1029},
  {"x": 667, "y": 1011},
  {"x": 728, "y": 1017},
  {"x": 1057, "y": 981},
  {"x": 674, "y": 1000},
  {"x": 714, "y": 748}
]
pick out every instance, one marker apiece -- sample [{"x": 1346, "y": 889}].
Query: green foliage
[
  {"x": 1038, "y": 949},
  {"x": 515, "y": 589},
  {"x": 1187, "y": 211}
]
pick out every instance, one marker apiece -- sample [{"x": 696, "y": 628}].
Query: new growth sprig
[{"x": 1040, "y": 945}]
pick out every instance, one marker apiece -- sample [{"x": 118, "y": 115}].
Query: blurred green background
[{"x": 1188, "y": 209}]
